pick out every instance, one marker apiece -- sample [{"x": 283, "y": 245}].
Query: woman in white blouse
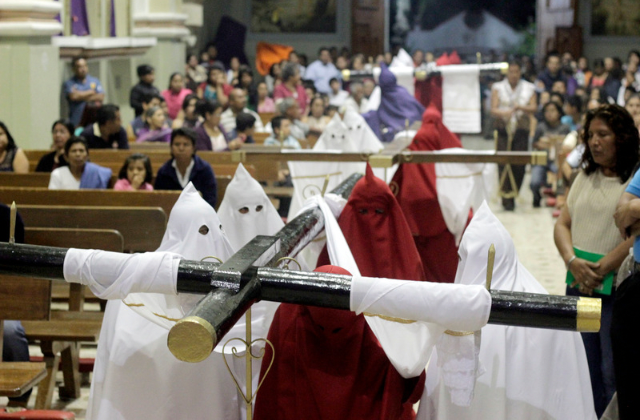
[{"x": 80, "y": 173}]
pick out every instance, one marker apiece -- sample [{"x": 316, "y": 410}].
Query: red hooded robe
[
  {"x": 329, "y": 364},
  {"x": 415, "y": 188}
]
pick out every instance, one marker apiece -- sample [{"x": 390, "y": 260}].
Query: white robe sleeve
[{"x": 112, "y": 275}]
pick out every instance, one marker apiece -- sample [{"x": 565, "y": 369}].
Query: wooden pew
[
  {"x": 22, "y": 299},
  {"x": 34, "y": 179},
  {"x": 100, "y": 198},
  {"x": 139, "y": 228},
  {"x": 260, "y": 137},
  {"x": 266, "y": 117}
]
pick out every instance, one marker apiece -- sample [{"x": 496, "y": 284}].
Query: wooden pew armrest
[{"x": 16, "y": 378}]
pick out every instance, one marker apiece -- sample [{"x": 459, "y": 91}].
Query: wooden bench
[
  {"x": 99, "y": 198},
  {"x": 139, "y": 228},
  {"x": 22, "y": 299},
  {"x": 40, "y": 180},
  {"x": 266, "y": 117}
]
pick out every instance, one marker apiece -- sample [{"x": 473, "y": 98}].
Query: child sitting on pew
[{"x": 136, "y": 174}]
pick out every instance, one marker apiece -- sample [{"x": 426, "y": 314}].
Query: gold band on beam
[
  {"x": 588, "y": 314},
  {"x": 238, "y": 156},
  {"x": 381, "y": 161},
  {"x": 192, "y": 339},
  {"x": 539, "y": 158}
]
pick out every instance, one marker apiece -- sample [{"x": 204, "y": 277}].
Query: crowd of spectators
[{"x": 222, "y": 105}]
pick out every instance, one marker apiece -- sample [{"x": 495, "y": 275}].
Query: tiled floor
[{"x": 532, "y": 233}]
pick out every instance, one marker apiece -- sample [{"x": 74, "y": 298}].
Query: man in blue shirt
[
  {"x": 322, "y": 71},
  {"x": 80, "y": 89},
  {"x": 625, "y": 329}
]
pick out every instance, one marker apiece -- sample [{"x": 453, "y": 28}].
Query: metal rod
[
  {"x": 422, "y": 72},
  {"x": 248, "y": 368},
  {"x": 472, "y": 156}
]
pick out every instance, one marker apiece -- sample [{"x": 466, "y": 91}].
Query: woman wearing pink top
[
  {"x": 265, "y": 103},
  {"x": 291, "y": 87},
  {"x": 174, "y": 96}
]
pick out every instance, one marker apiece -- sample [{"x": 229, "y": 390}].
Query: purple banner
[{"x": 79, "y": 20}]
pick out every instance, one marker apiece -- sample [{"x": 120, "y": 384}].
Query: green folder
[{"x": 607, "y": 283}]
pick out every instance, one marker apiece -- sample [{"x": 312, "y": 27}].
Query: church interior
[{"x": 323, "y": 209}]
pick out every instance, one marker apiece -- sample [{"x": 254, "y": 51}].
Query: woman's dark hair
[
  {"x": 64, "y": 122},
  {"x": 244, "y": 69},
  {"x": 177, "y": 73},
  {"x": 184, "y": 132},
  {"x": 145, "y": 161},
  {"x": 73, "y": 140},
  {"x": 187, "y": 99},
  {"x": 317, "y": 98},
  {"x": 556, "y": 95},
  {"x": 207, "y": 106},
  {"x": 272, "y": 71},
  {"x": 214, "y": 66},
  {"x": 11, "y": 143},
  {"x": 288, "y": 71},
  {"x": 244, "y": 120},
  {"x": 627, "y": 140},
  {"x": 556, "y": 105},
  {"x": 576, "y": 102}
]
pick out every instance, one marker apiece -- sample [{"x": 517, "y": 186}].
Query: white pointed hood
[
  {"x": 246, "y": 211},
  {"x": 194, "y": 231}
]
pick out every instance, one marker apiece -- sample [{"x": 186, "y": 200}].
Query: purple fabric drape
[
  {"x": 79, "y": 20},
  {"x": 112, "y": 26},
  {"x": 59, "y": 19},
  {"x": 396, "y": 106}
]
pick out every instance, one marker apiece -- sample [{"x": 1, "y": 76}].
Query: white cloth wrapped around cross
[{"x": 111, "y": 275}]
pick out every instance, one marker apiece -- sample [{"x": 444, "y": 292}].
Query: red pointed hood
[
  {"x": 454, "y": 58},
  {"x": 443, "y": 60}
]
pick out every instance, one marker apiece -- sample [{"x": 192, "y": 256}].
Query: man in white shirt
[
  {"x": 322, "y": 71},
  {"x": 356, "y": 101},
  {"x": 238, "y": 104}
]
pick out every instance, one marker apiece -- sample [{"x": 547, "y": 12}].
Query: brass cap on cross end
[
  {"x": 588, "y": 314},
  {"x": 192, "y": 339},
  {"x": 346, "y": 75}
]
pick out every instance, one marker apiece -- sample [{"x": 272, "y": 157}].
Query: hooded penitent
[
  {"x": 396, "y": 107},
  {"x": 329, "y": 365},
  {"x": 530, "y": 373},
  {"x": 309, "y": 177},
  {"x": 135, "y": 376},
  {"x": 415, "y": 188}
]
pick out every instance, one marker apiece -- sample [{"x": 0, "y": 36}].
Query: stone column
[{"x": 29, "y": 74}]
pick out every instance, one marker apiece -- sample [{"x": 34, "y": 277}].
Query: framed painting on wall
[
  {"x": 619, "y": 18},
  {"x": 294, "y": 16}
]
